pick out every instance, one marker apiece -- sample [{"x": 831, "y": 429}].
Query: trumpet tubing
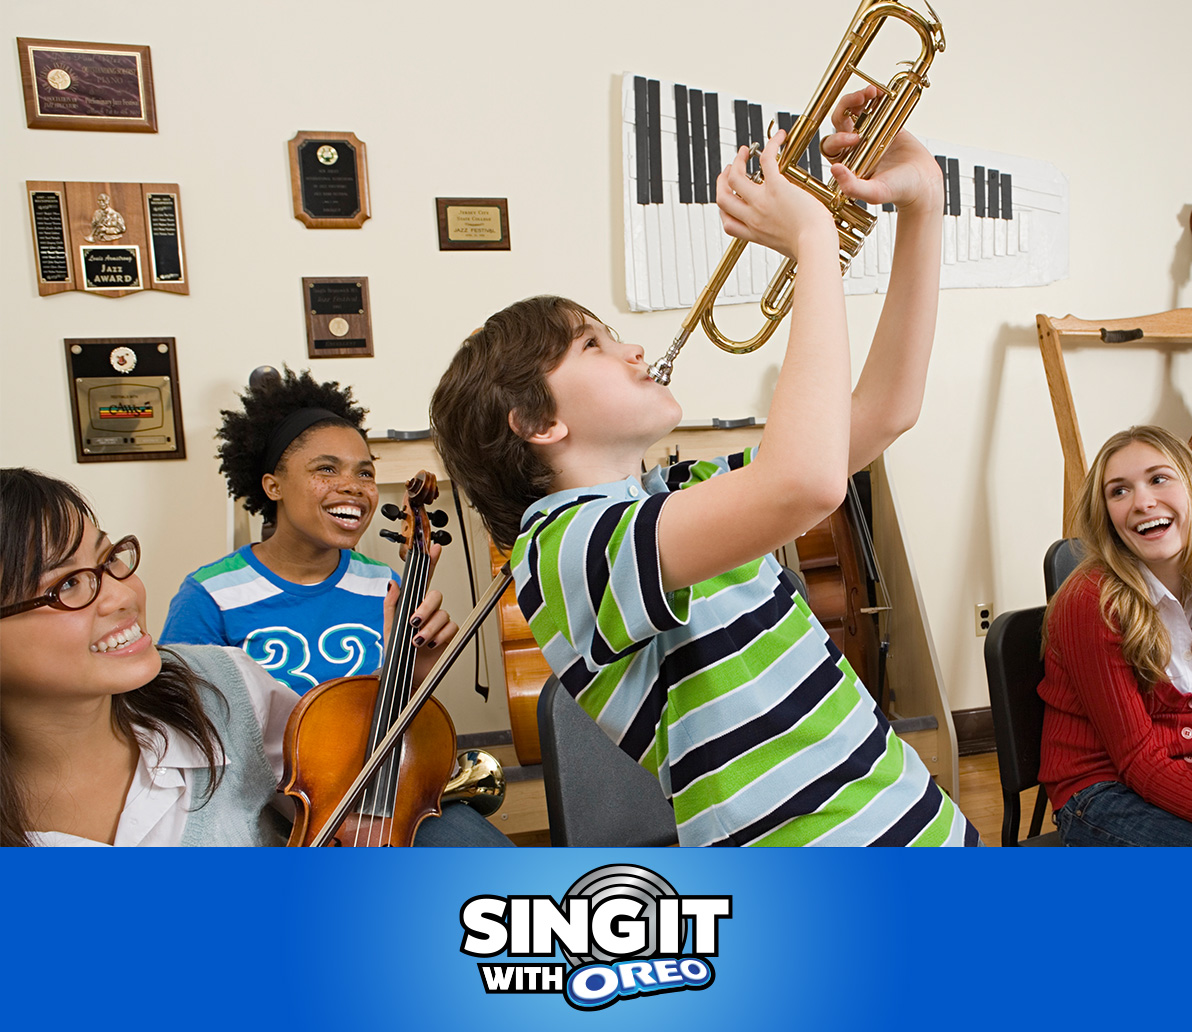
[{"x": 877, "y": 125}]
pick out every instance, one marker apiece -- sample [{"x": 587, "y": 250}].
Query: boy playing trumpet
[{"x": 655, "y": 599}]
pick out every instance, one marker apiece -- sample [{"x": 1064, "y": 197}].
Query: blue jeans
[
  {"x": 1109, "y": 814},
  {"x": 460, "y": 825}
]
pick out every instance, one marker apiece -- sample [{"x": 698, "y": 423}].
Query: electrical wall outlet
[{"x": 984, "y": 617}]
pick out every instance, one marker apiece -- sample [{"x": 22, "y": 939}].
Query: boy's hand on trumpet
[
  {"x": 774, "y": 212},
  {"x": 907, "y": 175}
]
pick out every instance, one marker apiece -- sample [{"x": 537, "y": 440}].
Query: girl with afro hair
[{"x": 303, "y": 602}]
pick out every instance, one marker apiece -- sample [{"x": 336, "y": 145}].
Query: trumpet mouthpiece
[{"x": 660, "y": 372}]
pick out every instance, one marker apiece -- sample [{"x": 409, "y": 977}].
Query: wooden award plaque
[{"x": 110, "y": 239}]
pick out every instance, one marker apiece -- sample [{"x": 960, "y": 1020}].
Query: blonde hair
[{"x": 1126, "y": 605}]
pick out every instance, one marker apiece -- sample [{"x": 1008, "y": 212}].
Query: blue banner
[{"x": 373, "y": 939}]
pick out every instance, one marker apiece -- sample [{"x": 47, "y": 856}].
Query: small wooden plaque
[
  {"x": 329, "y": 180},
  {"x": 338, "y": 318},
  {"x": 74, "y": 85},
  {"x": 473, "y": 223},
  {"x": 124, "y": 398}
]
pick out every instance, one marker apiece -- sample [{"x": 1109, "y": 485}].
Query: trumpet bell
[{"x": 479, "y": 782}]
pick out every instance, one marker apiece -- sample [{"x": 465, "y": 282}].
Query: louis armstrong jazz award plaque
[
  {"x": 124, "y": 398},
  {"x": 110, "y": 239},
  {"x": 329, "y": 180}
]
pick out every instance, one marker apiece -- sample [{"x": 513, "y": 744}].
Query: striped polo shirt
[
  {"x": 303, "y": 634},
  {"x": 729, "y": 691}
]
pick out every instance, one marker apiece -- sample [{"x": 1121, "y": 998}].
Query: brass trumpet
[
  {"x": 877, "y": 124},
  {"x": 480, "y": 782}
]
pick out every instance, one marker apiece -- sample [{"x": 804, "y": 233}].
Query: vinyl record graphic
[{"x": 638, "y": 883}]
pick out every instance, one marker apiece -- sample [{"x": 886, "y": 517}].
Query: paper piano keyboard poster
[{"x": 1005, "y": 217}]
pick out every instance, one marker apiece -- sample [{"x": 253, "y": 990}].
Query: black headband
[{"x": 290, "y": 429}]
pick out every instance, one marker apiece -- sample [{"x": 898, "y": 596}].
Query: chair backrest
[
  {"x": 1014, "y": 669},
  {"x": 595, "y": 794},
  {"x": 1061, "y": 558}
]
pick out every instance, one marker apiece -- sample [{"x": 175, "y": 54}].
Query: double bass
[
  {"x": 338, "y": 727},
  {"x": 837, "y": 562}
]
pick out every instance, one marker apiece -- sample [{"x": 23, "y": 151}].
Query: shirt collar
[
  {"x": 1159, "y": 591},
  {"x": 627, "y": 490},
  {"x": 179, "y": 753}
]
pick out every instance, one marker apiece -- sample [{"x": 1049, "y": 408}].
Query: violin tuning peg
[
  {"x": 438, "y": 517},
  {"x": 392, "y": 512},
  {"x": 393, "y": 535},
  {"x": 441, "y": 537}
]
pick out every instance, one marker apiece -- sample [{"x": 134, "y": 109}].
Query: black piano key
[
  {"x": 741, "y": 115},
  {"x": 887, "y": 206},
  {"x": 979, "y": 191},
  {"x": 699, "y": 155},
  {"x": 641, "y": 135},
  {"x": 684, "y": 144},
  {"x": 654, "y": 102},
  {"x": 712, "y": 124},
  {"x": 816, "y": 165},
  {"x": 953, "y": 186},
  {"x": 786, "y": 122},
  {"x": 757, "y": 133},
  {"x": 991, "y": 195},
  {"x": 943, "y": 164},
  {"x": 1007, "y": 200}
]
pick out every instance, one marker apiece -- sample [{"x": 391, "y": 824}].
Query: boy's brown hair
[{"x": 501, "y": 369}]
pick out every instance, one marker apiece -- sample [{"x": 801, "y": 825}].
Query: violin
[
  {"x": 838, "y": 563},
  {"x": 338, "y": 726}
]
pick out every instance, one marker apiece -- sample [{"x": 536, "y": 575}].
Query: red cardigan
[{"x": 1097, "y": 725}]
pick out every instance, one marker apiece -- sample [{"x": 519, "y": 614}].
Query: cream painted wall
[{"x": 522, "y": 101}]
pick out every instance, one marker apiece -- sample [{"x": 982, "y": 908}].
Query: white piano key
[
  {"x": 975, "y": 232},
  {"x": 667, "y": 242},
  {"x": 654, "y": 250},
  {"x": 1012, "y": 236},
  {"x": 999, "y": 237},
  {"x": 637, "y": 249},
  {"x": 1024, "y": 230},
  {"x": 987, "y": 237},
  {"x": 714, "y": 238},
  {"x": 684, "y": 263},
  {"x": 868, "y": 255},
  {"x": 962, "y": 236},
  {"x": 886, "y": 223},
  {"x": 699, "y": 248},
  {"x": 949, "y": 240}
]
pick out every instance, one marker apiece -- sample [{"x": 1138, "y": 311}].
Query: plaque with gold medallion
[
  {"x": 329, "y": 180},
  {"x": 76, "y": 85}
]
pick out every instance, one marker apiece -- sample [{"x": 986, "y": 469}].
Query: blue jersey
[{"x": 303, "y": 634}]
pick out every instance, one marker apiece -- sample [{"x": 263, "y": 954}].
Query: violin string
[
  {"x": 418, "y": 577},
  {"x": 388, "y": 690},
  {"x": 397, "y": 694}
]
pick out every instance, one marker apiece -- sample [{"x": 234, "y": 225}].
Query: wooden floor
[{"x": 981, "y": 799}]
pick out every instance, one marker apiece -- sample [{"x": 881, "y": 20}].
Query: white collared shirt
[
  {"x": 158, "y": 800},
  {"x": 1178, "y": 621}
]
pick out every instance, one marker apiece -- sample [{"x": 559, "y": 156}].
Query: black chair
[
  {"x": 595, "y": 794},
  {"x": 1014, "y": 669},
  {"x": 1060, "y": 560}
]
